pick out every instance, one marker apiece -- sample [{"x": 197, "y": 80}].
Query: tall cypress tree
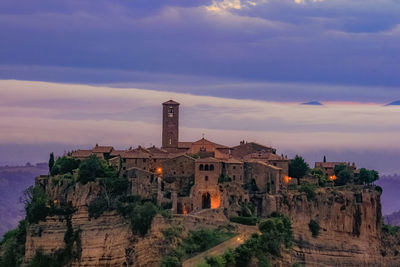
[{"x": 51, "y": 161}]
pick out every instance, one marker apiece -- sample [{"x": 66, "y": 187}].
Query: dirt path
[{"x": 221, "y": 248}]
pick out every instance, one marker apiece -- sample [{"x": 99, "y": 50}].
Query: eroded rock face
[
  {"x": 105, "y": 241},
  {"x": 350, "y": 235},
  {"x": 350, "y": 222}
]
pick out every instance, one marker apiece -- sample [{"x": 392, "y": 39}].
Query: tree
[
  {"x": 51, "y": 161},
  {"x": 298, "y": 168},
  {"x": 93, "y": 168},
  {"x": 320, "y": 176},
  {"x": 64, "y": 165},
  {"x": 343, "y": 174},
  {"x": 367, "y": 176}
]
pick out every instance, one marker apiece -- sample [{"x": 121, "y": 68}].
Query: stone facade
[
  {"x": 170, "y": 131},
  {"x": 196, "y": 175}
]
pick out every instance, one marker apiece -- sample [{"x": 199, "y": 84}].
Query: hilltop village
[
  {"x": 190, "y": 174},
  {"x": 200, "y": 204}
]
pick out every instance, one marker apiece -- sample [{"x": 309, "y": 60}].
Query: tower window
[
  {"x": 201, "y": 167},
  {"x": 170, "y": 112},
  {"x": 211, "y": 167},
  {"x": 170, "y": 141}
]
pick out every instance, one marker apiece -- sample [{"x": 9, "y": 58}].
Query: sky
[{"x": 73, "y": 73}]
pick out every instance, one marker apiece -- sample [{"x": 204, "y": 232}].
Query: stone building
[
  {"x": 329, "y": 167},
  {"x": 198, "y": 175}
]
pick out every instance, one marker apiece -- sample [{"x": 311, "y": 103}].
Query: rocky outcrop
[
  {"x": 350, "y": 221},
  {"x": 105, "y": 241},
  {"x": 350, "y": 234}
]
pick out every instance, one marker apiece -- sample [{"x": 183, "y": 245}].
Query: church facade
[{"x": 198, "y": 175}]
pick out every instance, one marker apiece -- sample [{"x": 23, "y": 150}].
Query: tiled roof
[
  {"x": 80, "y": 153},
  {"x": 132, "y": 154},
  {"x": 329, "y": 164},
  {"x": 205, "y": 141},
  {"x": 102, "y": 149},
  {"x": 265, "y": 164},
  {"x": 154, "y": 149},
  {"x": 171, "y": 102},
  {"x": 117, "y": 152},
  {"x": 184, "y": 144}
]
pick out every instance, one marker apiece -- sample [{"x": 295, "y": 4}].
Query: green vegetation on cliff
[
  {"x": 13, "y": 246},
  {"x": 276, "y": 232},
  {"x": 196, "y": 242}
]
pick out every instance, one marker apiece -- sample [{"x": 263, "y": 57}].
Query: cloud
[
  {"x": 330, "y": 42},
  {"x": 49, "y": 112},
  {"x": 37, "y": 118}
]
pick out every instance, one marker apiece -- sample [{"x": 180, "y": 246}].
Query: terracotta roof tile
[
  {"x": 171, "y": 102},
  {"x": 102, "y": 149}
]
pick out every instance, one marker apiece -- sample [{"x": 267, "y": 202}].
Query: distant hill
[
  {"x": 13, "y": 181},
  {"x": 390, "y": 197},
  {"x": 395, "y": 103},
  {"x": 313, "y": 103},
  {"x": 392, "y": 219}
]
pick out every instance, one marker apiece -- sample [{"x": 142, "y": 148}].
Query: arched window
[
  {"x": 211, "y": 167},
  {"x": 206, "y": 167},
  {"x": 201, "y": 167}
]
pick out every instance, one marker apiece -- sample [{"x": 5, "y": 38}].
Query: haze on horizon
[{"x": 239, "y": 67}]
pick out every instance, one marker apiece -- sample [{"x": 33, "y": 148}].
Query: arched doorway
[{"x": 206, "y": 198}]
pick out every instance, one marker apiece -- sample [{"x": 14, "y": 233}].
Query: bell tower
[{"x": 170, "y": 131}]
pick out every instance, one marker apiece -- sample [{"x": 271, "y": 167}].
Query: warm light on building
[
  {"x": 159, "y": 170},
  {"x": 215, "y": 202},
  {"x": 332, "y": 178},
  {"x": 287, "y": 179}
]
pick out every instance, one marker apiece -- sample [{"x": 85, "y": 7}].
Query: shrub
[
  {"x": 309, "y": 189},
  {"x": 203, "y": 239},
  {"x": 142, "y": 216},
  {"x": 379, "y": 189},
  {"x": 276, "y": 231},
  {"x": 172, "y": 232},
  {"x": 170, "y": 261},
  {"x": 13, "y": 246},
  {"x": 97, "y": 207},
  {"x": 37, "y": 204},
  {"x": 93, "y": 168},
  {"x": 320, "y": 176},
  {"x": 389, "y": 229},
  {"x": 216, "y": 261},
  {"x": 64, "y": 165},
  {"x": 244, "y": 220},
  {"x": 314, "y": 228}
]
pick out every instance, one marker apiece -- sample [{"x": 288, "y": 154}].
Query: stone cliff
[
  {"x": 349, "y": 219},
  {"x": 350, "y": 223}
]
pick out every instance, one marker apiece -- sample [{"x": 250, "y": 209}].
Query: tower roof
[{"x": 171, "y": 102}]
